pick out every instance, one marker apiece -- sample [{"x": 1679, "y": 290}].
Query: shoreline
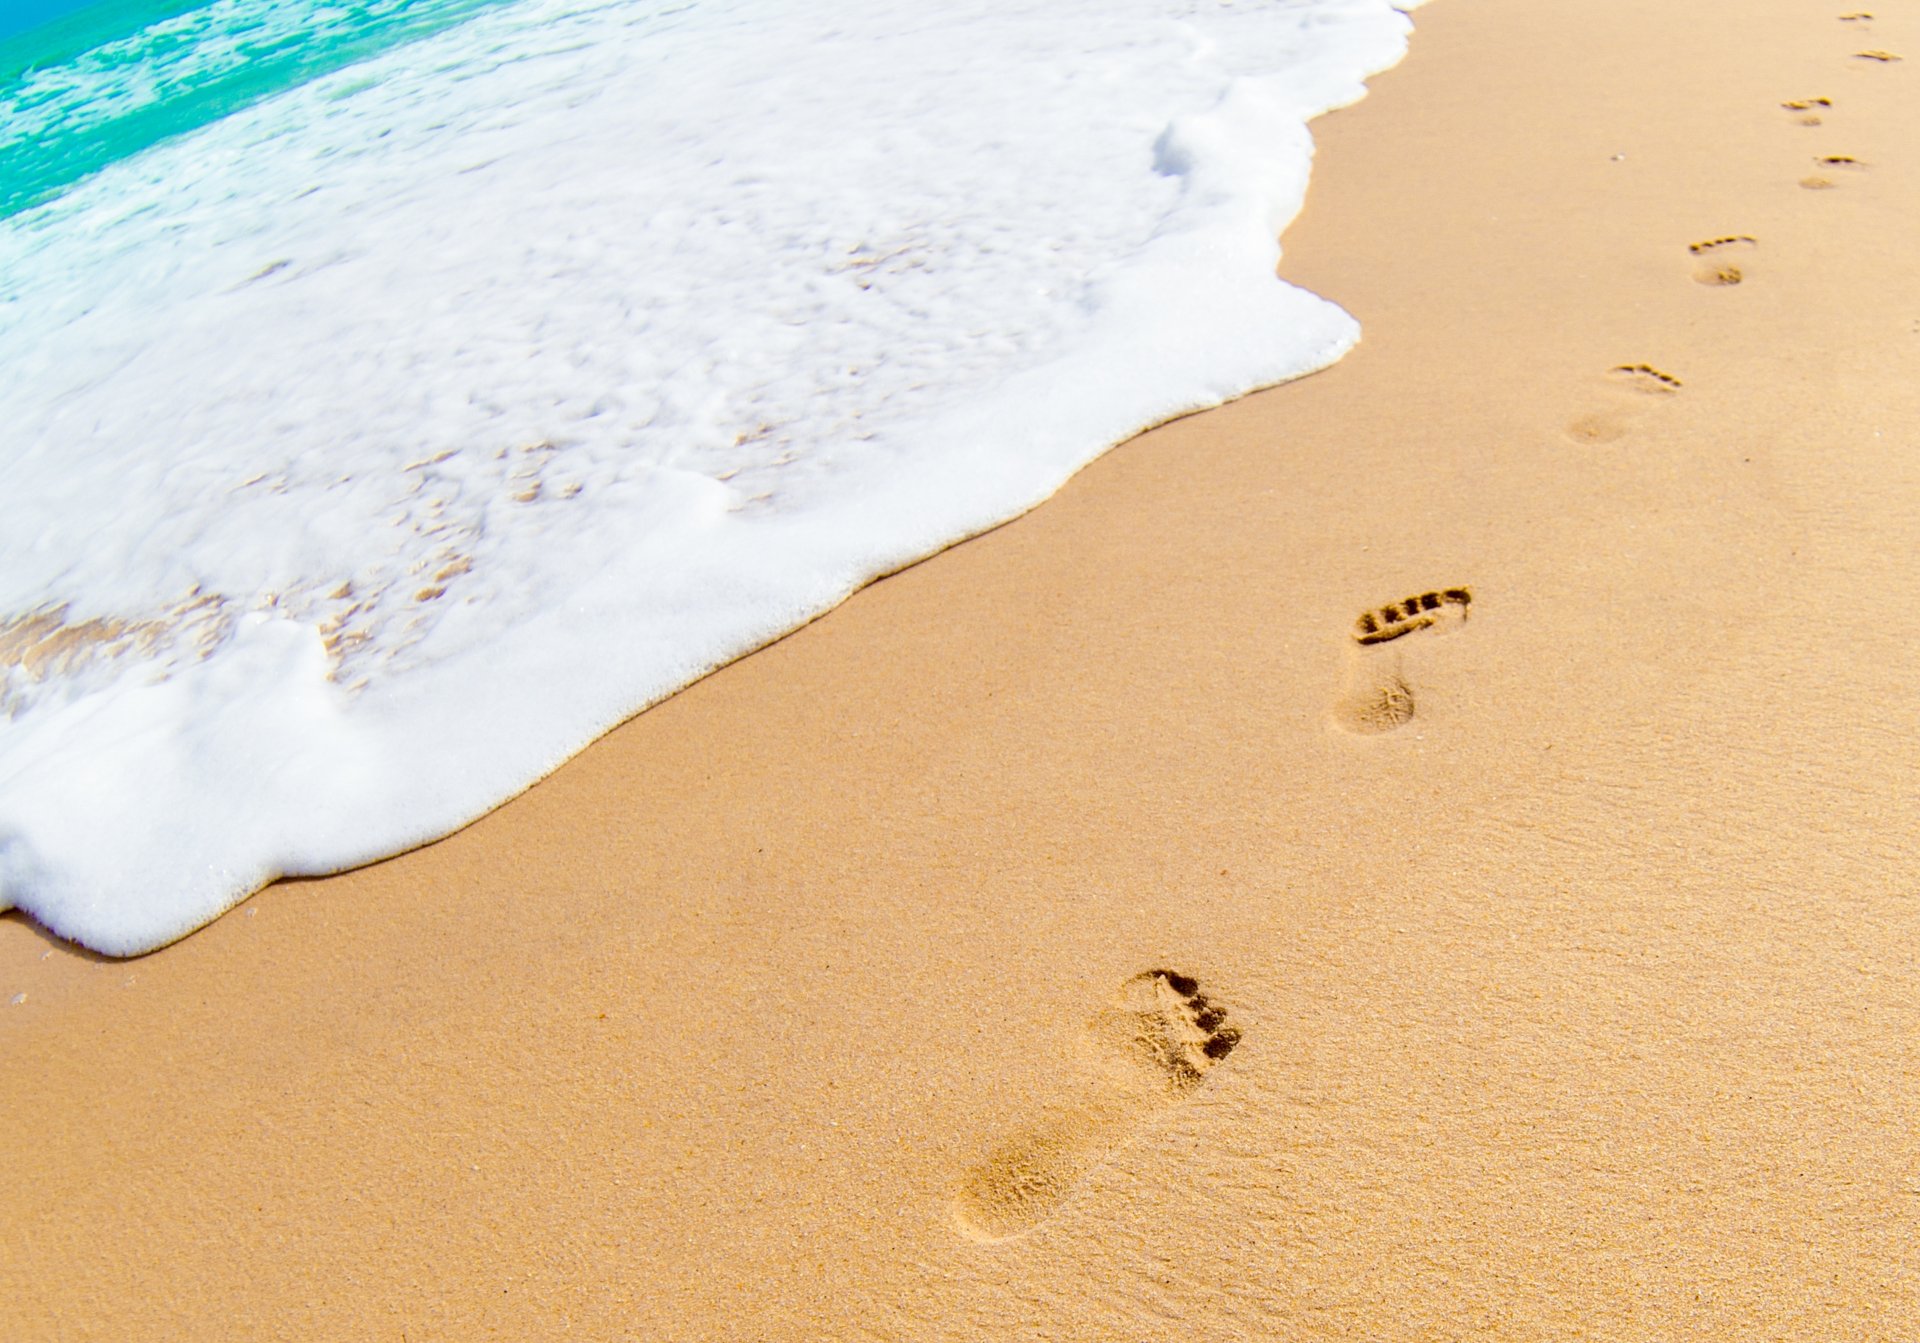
[
  {"x": 478, "y": 595},
  {"x": 868, "y": 986}
]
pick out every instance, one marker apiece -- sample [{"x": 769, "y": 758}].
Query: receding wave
[{"x": 373, "y": 448}]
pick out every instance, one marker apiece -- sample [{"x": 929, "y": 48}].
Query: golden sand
[{"x": 874, "y": 987}]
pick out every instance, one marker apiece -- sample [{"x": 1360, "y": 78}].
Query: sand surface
[{"x": 1081, "y": 936}]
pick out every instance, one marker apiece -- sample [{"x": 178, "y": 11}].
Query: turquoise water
[
  {"x": 24, "y": 14},
  {"x": 91, "y": 84}
]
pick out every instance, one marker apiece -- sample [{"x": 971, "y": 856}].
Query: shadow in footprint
[
  {"x": 1378, "y": 698},
  {"x": 1645, "y": 378},
  {"x": 1155, "y": 1043}
]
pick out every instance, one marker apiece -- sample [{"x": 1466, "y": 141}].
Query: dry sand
[{"x": 819, "y": 1003}]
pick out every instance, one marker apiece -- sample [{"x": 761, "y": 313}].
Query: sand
[{"x": 1082, "y": 936}]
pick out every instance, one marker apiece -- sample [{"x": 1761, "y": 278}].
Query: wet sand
[{"x": 1100, "y": 931}]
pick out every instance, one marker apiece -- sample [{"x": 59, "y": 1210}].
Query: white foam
[{"x": 406, "y": 432}]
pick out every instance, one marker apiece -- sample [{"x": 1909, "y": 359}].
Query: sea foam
[{"x": 372, "y": 449}]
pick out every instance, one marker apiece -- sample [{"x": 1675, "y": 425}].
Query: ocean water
[
  {"x": 102, "y": 82},
  {"x": 399, "y": 395}
]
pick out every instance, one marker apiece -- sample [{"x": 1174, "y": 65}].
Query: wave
[{"x": 374, "y": 448}]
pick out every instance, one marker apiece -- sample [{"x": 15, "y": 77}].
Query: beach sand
[{"x": 1083, "y": 936}]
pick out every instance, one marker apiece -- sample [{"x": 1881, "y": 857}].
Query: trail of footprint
[
  {"x": 1722, "y": 261},
  {"x": 1157, "y": 1040},
  {"x": 1378, "y": 697}
]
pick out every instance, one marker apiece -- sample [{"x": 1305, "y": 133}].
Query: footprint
[
  {"x": 1809, "y": 109},
  {"x": 1720, "y": 259},
  {"x": 1154, "y": 1044},
  {"x": 1378, "y": 697},
  {"x": 1830, "y": 164},
  {"x": 1884, "y": 57},
  {"x": 1856, "y": 18},
  {"x": 1634, "y": 385},
  {"x": 1646, "y": 378}
]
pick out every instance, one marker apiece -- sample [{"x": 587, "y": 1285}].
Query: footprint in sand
[
  {"x": 1645, "y": 378},
  {"x": 1884, "y": 57},
  {"x": 1634, "y": 387},
  {"x": 1807, "y": 110},
  {"x": 1722, "y": 261},
  {"x": 1830, "y": 167},
  {"x": 1153, "y": 1045},
  {"x": 1378, "y": 697}
]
